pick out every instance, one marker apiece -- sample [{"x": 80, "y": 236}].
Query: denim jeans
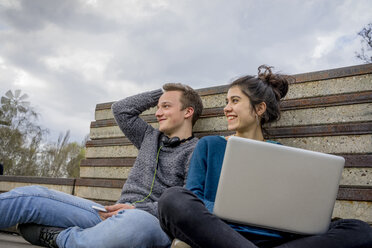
[
  {"x": 183, "y": 215},
  {"x": 84, "y": 228}
]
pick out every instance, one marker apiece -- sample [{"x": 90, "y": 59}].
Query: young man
[{"x": 162, "y": 161}]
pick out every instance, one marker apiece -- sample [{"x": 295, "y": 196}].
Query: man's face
[{"x": 169, "y": 114}]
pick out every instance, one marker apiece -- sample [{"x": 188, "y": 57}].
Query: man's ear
[
  {"x": 189, "y": 111},
  {"x": 260, "y": 108}
]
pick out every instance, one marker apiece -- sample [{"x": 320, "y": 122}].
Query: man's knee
[{"x": 140, "y": 228}]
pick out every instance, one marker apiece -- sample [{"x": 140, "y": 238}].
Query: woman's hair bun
[{"x": 278, "y": 82}]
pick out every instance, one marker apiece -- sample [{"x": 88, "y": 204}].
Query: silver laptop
[{"x": 277, "y": 187}]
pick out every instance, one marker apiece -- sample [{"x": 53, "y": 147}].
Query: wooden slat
[
  {"x": 107, "y": 162},
  {"x": 327, "y": 101},
  {"x": 103, "y": 106},
  {"x": 351, "y": 161},
  {"x": 355, "y": 128},
  {"x": 122, "y": 141},
  {"x": 334, "y": 73},
  {"x": 213, "y": 90},
  {"x": 355, "y": 193},
  {"x": 105, "y": 183},
  {"x": 105, "y": 123},
  {"x": 38, "y": 180},
  {"x": 357, "y": 160}
]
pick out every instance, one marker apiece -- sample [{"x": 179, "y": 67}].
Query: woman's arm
[
  {"x": 205, "y": 168},
  {"x": 198, "y": 172}
]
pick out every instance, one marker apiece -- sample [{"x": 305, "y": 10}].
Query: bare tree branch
[{"x": 366, "y": 41}]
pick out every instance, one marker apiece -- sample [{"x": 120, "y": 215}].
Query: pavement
[{"x": 13, "y": 240}]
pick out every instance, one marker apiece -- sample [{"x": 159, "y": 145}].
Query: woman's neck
[{"x": 255, "y": 134}]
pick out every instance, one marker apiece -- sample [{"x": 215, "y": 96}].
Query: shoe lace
[{"x": 48, "y": 237}]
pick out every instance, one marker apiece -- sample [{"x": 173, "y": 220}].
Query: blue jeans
[{"x": 84, "y": 228}]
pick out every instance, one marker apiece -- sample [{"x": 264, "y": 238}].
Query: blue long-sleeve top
[{"x": 204, "y": 175}]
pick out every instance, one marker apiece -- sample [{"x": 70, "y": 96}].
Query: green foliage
[
  {"x": 23, "y": 150},
  {"x": 62, "y": 159},
  {"x": 73, "y": 166}
]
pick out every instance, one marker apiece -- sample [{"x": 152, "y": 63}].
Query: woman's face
[{"x": 239, "y": 113}]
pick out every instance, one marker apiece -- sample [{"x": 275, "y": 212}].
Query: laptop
[{"x": 277, "y": 187}]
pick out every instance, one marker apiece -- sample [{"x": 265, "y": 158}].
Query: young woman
[{"x": 186, "y": 214}]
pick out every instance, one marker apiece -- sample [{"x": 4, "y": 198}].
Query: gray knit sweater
[{"x": 173, "y": 162}]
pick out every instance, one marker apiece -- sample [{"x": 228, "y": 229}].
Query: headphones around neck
[
  {"x": 173, "y": 142},
  {"x": 166, "y": 142}
]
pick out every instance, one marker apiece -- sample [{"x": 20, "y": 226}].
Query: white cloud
[
  {"x": 91, "y": 64},
  {"x": 324, "y": 45}
]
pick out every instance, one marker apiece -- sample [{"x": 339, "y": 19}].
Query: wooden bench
[{"x": 328, "y": 111}]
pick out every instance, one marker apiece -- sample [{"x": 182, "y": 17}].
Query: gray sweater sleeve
[{"x": 127, "y": 111}]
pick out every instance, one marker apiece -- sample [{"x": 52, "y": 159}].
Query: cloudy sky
[{"x": 69, "y": 55}]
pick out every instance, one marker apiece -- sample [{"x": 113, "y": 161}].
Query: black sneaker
[{"x": 40, "y": 235}]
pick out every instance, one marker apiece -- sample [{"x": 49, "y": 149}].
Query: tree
[
  {"x": 62, "y": 159},
  {"x": 73, "y": 166},
  {"x": 20, "y": 136},
  {"x": 23, "y": 150},
  {"x": 366, "y": 50}
]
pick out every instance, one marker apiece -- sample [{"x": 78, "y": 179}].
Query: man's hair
[{"x": 189, "y": 98}]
